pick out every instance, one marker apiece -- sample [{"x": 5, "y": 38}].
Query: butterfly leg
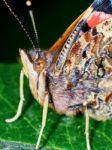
[
  {"x": 45, "y": 110},
  {"x": 87, "y": 130},
  {"x": 19, "y": 110}
]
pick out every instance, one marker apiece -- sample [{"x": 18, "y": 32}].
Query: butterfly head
[{"x": 33, "y": 62}]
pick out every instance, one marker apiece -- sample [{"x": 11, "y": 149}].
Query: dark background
[{"x": 52, "y": 18}]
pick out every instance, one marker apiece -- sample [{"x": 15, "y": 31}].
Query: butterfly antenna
[
  {"x": 18, "y": 20},
  {"x": 29, "y": 4}
]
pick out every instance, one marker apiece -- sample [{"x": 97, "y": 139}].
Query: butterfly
[{"x": 75, "y": 75}]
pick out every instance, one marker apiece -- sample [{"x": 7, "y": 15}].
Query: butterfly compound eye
[{"x": 33, "y": 55}]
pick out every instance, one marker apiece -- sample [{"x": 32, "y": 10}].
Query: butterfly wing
[
  {"x": 83, "y": 76},
  {"x": 92, "y": 46},
  {"x": 93, "y": 16},
  {"x": 99, "y": 11},
  {"x": 87, "y": 72}
]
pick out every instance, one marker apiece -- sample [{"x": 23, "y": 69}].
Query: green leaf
[{"x": 61, "y": 132}]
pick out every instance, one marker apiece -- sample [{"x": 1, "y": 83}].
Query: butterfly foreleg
[
  {"x": 44, "y": 116},
  {"x": 19, "y": 110}
]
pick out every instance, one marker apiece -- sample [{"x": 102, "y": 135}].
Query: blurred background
[{"x": 52, "y": 18}]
